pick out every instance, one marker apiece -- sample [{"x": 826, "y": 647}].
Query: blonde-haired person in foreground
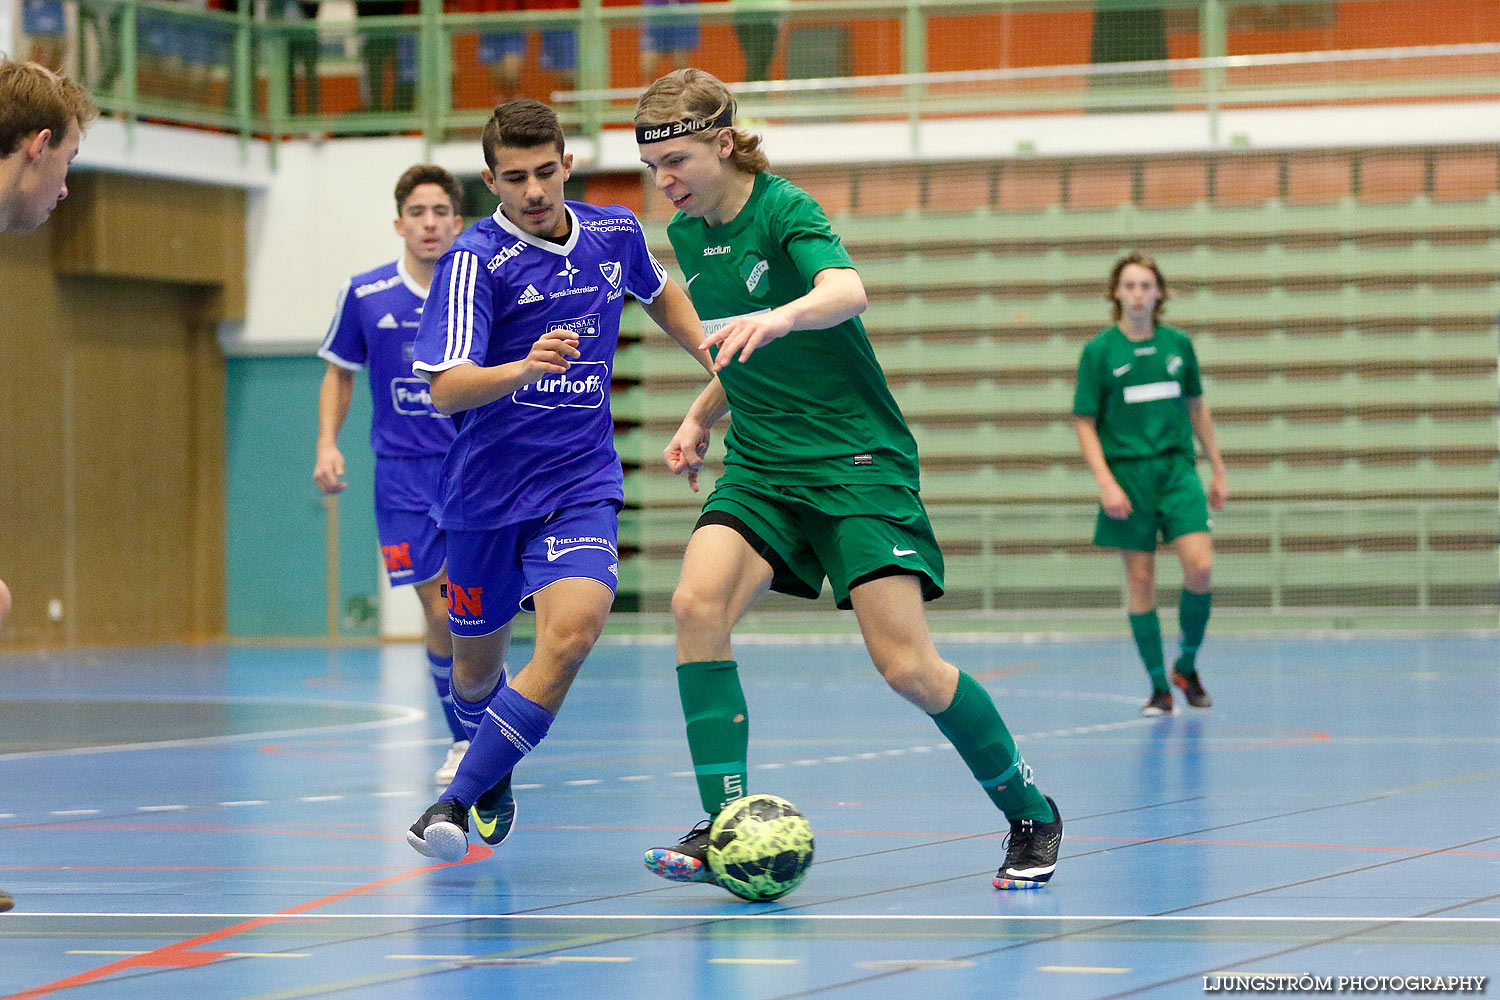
[
  {"x": 821, "y": 476},
  {"x": 42, "y": 118}
]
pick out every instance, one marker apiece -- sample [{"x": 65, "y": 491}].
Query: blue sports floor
[{"x": 216, "y": 822}]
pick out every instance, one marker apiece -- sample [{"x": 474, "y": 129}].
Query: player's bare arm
[
  {"x": 1203, "y": 426},
  {"x": 333, "y": 406},
  {"x": 837, "y": 295},
  {"x": 689, "y": 446},
  {"x": 466, "y": 386},
  {"x": 1111, "y": 497},
  {"x": 673, "y": 311}
]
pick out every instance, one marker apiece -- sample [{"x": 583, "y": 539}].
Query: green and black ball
[{"x": 760, "y": 847}]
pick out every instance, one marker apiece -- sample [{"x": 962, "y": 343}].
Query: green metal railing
[{"x": 147, "y": 59}]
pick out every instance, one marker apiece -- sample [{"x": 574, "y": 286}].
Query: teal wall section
[{"x": 276, "y": 546}]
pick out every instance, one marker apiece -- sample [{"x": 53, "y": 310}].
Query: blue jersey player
[
  {"x": 374, "y": 327},
  {"x": 518, "y": 339}
]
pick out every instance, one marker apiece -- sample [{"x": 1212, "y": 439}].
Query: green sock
[
  {"x": 1192, "y": 615},
  {"x": 976, "y": 730},
  {"x": 1146, "y": 627},
  {"x": 718, "y": 730}
]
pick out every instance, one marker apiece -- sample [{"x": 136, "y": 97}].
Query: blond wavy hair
[{"x": 693, "y": 93}]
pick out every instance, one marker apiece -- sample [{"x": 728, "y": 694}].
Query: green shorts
[
  {"x": 849, "y": 534},
  {"x": 1166, "y": 500}
]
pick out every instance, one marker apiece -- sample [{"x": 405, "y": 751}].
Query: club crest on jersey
[
  {"x": 753, "y": 270},
  {"x": 611, "y": 271},
  {"x": 529, "y": 296},
  {"x": 583, "y": 386},
  {"x": 1174, "y": 365}
]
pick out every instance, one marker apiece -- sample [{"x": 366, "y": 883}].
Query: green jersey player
[
  {"x": 820, "y": 474},
  {"x": 1137, "y": 404}
]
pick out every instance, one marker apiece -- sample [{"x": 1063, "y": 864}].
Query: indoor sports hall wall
[{"x": 112, "y": 458}]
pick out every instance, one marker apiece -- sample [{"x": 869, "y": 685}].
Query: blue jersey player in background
[
  {"x": 519, "y": 337},
  {"x": 374, "y": 327}
]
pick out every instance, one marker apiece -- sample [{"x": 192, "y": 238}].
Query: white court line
[
  {"x": 1176, "y": 918},
  {"x": 1084, "y": 969}
]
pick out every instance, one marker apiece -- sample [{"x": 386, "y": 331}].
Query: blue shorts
[
  {"x": 493, "y": 573},
  {"x": 411, "y": 544},
  {"x": 43, "y": 18},
  {"x": 674, "y": 32},
  {"x": 559, "y": 48}
]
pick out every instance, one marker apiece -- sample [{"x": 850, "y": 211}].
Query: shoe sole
[
  {"x": 1150, "y": 711},
  {"x": 444, "y": 841},
  {"x": 675, "y": 867},
  {"x": 1020, "y": 883},
  {"x": 478, "y": 822},
  {"x": 1181, "y": 683}
]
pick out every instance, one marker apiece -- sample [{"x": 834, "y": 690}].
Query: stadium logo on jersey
[
  {"x": 611, "y": 271},
  {"x": 584, "y": 326},
  {"x": 558, "y": 547},
  {"x": 529, "y": 296},
  {"x": 514, "y": 250},
  {"x": 387, "y": 322},
  {"x": 716, "y": 251},
  {"x": 568, "y": 271},
  {"x": 1141, "y": 352},
  {"x": 582, "y": 386},
  {"x": 1117, "y": 372},
  {"x": 377, "y": 286},
  {"x": 411, "y": 397},
  {"x": 753, "y": 270}
]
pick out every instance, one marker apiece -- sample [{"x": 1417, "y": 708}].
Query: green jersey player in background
[
  {"x": 1138, "y": 402},
  {"x": 820, "y": 474}
]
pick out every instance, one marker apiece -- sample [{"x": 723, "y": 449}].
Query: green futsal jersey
[
  {"x": 811, "y": 408},
  {"x": 1137, "y": 392}
]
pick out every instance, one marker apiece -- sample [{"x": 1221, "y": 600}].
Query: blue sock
[
  {"x": 512, "y": 727},
  {"x": 471, "y": 713},
  {"x": 442, "y": 681}
]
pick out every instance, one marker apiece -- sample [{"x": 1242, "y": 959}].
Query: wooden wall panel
[{"x": 112, "y": 441}]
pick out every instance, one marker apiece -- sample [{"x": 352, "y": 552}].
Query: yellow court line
[
  {"x": 592, "y": 958},
  {"x": 267, "y": 954},
  {"x": 431, "y": 958},
  {"x": 752, "y": 961},
  {"x": 97, "y": 951},
  {"x": 1112, "y": 970}
]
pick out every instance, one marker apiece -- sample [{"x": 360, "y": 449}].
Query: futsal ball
[{"x": 760, "y": 847}]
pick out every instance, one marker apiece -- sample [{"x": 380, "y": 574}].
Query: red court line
[{"x": 179, "y": 955}]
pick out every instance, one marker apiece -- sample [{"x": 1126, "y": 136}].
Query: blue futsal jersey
[
  {"x": 550, "y": 444},
  {"x": 375, "y": 326}
]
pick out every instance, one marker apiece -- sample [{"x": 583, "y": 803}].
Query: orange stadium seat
[
  {"x": 1318, "y": 178},
  {"x": 960, "y": 188},
  {"x": 833, "y": 189},
  {"x": 1173, "y": 183},
  {"x": 1246, "y": 180},
  {"x": 1388, "y": 177},
  {"x": 888, "y": 190},
  {"x": 1029, "y": 186},
  {"x": 1100, "y": 185},
  {"x": 1466, "y": 175}
]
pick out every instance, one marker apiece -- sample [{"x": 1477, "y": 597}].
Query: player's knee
[
  {"x": 696, "y": 611},
  {"x": 571, "y": 642}
]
